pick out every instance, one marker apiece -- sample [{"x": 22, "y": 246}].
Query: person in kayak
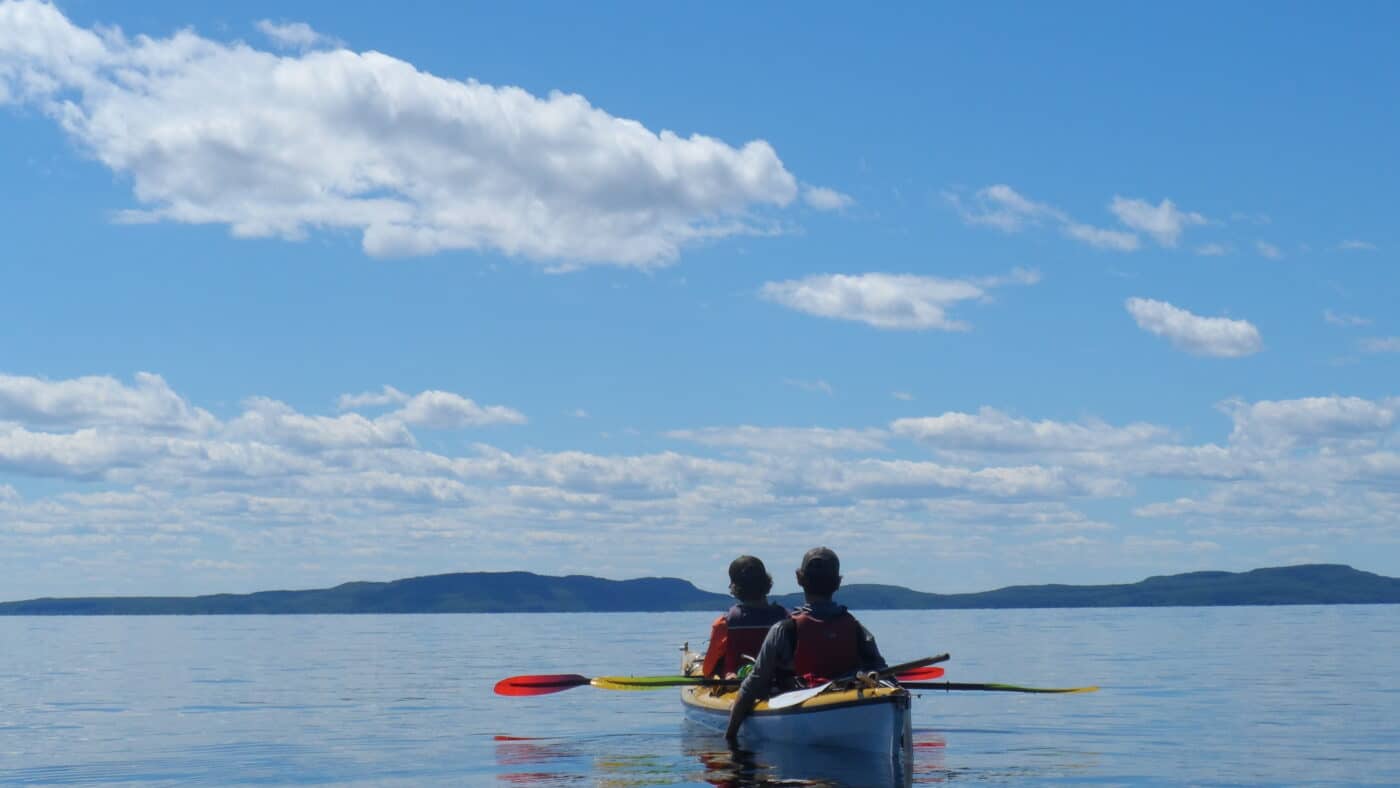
[
  {"x": 820, "y": 641},
  {"x": 736, "y": 636}
]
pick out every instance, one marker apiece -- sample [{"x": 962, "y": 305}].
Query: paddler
[
  {"x": 736, "y": 636},
  {"x": 820, "y": 641}
]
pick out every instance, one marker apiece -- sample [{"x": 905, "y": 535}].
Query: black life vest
[{"x": 746, "y": 628}]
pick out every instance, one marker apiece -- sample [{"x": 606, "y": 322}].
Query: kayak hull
[{"x": 868, "y": 720}]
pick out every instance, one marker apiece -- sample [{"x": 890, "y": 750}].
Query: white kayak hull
[{"x": 874, "y": 721}]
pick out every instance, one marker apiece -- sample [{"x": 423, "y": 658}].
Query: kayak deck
[{"x": 870, "y": 719}]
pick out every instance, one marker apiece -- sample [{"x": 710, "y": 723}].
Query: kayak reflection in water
[
  {"x": 736, "y": 636},
  {"x": 820, "y": 641}
]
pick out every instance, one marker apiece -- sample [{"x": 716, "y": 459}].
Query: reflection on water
[{"x": 705, "y": 759}]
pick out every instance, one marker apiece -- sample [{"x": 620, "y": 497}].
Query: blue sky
[{"x": 299, "y": 293}]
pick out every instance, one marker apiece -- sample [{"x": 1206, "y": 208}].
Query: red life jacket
[
  {"x": 826, "y": 649},
  {"x": 747, "y": 627}
]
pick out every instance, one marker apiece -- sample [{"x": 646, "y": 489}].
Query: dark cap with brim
[{"x": 821, "y": 561}]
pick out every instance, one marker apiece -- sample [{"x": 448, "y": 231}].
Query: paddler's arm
[
  {"x": 777, "y": 649},
  {"x": 719, "y": 642},
  {"x": 870, "y": 657}
]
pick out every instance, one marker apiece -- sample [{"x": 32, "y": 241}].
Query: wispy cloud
[
  {"x": 890, "y": 301},
  {"x": 824, "y": 199},
  {"x": 1268, "y": 250},
  {"x": 1163, "y": 221},
  {"x": 1213, "y": 249},
  {"x": 296, "y": 35},
  {"x": 1005, "y": 209},
  {"x": 414, "y": 163},
  {"x": 1356, "y": 246},
  {"x": 815, "y": 386},
  {"x": 1381, "y": 345},
  {"x": 1340, "y": 319},
  {"x": 1202, "y": 336}
]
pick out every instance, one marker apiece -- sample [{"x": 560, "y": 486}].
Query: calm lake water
[{"x": 1190, "y": 696}]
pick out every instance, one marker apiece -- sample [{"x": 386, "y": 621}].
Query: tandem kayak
[{"x": 868, "y": 719}]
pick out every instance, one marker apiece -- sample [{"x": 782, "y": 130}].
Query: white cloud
[
  {"x": 1310, "y": 419},
  {"x": 824, "y": 199},
  {"x": 1213, "y": 249},
  {"x": 295, "y": 35},
  {"x": 99, "y": 400},
  {"x": 889, "y": 301},
  {"x": 1340, "y": 319},
  {"x": 1202, "y": 336},
  {"x": 273, "y": 487},
  {"x": 277, "y": 423},
  {"x": 276, "y": 146},
  {"x": 1101, "y": 238},
  {"x": 1003, "y": 208},
  {"x": 1164, "y": 222},
  {"x": 903, "y": 396},
  {"x": 1356, "y": 246},
  {"x": 992, "y": 430},
  {"x": 443, "y": 410},
  {"x": 1381, "y": 344},
  {"x": 372, "y": 399},
  {"x": 1268, "y": 250}
]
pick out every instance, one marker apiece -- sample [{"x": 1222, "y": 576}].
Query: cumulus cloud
[
  {"x": 282, "y": 486},
  {"x": 1309, "y": 419},
  {"x": 992, "y": 430},
  {"x": 1164, "y": 222},
  {"x": 443, "y": 410},
  {"x": 279, "y": 145},
  {"x": 1202, "y": 336},
  {"x": 890, "y": 301},
  {"x": 99, "y": 401}
]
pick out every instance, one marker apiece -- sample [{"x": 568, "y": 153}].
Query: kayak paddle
[
  {"x": 546, "y": 684},
  {"x": 519, "y": 686},
  {"x": 953, "y": 685}
]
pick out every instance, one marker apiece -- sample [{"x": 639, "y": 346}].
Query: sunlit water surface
[{"x": 1190, "y": 696}]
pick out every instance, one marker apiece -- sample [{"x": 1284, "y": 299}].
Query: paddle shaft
[{"x": 954, "y": 685}]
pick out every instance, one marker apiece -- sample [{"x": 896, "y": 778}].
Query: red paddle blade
[
  {"x": 519, "y": 686},
  {"x": 921, "y": 674}
]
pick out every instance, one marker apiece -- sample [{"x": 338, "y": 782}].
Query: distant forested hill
[{"x": 523, "y": 592}]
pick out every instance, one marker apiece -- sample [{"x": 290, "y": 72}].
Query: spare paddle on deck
[
  {"x": 953, "y": 685},
  {"x": 795, "y": 697}
]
